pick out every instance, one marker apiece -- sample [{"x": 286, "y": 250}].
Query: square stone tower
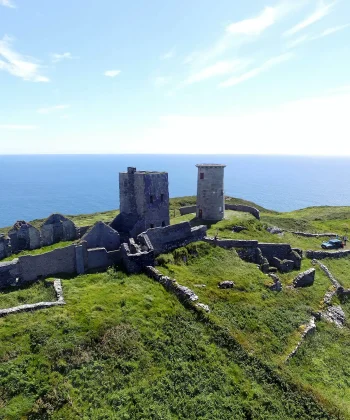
[
  {"x": 144, "y": 199},
  {"x": 210, "y": 192}
]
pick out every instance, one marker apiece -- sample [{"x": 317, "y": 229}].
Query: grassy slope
[
  {"x": 267, "y": 324},
  {"x": 124, "y": 348},
  {"x": 77, "y": 361}
]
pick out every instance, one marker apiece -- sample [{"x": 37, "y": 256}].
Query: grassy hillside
[{"x": 124, "y": 348}]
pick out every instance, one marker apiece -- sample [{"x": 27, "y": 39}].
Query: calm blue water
[{"x": 35, "y": 186}]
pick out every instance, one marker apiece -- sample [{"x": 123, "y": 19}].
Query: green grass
[
  {"x": 39, "y": 250},
  {"x": 41, "y": 291},
  {"x": 340, "y": 270},
  {"x": 269, "y": 325},
  {"x": 124, "y": 348}
]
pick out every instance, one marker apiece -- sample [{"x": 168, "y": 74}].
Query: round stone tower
[{"x": 210, "y": 192}]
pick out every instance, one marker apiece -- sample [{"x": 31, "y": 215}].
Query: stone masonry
[
  {"x": 210, "y": 192},
  {"x": 144, "y": 201}
]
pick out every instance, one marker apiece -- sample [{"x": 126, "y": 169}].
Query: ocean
[{"x": 34, "y": 186}]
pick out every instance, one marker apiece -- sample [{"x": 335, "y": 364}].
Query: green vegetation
[
  {"x": 41, "y": 291},
  {"x": 124, "y": 348},
  {"x": 39, "y": 250}
]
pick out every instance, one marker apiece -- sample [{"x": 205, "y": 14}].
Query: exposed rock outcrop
[{"x": 304, "y": 279}]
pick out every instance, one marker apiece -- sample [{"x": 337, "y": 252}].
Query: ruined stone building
[
  {"x": 144, "y": 201},
  {"x": 210, "y": 192}
]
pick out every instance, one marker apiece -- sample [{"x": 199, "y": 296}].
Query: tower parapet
[{"x": 210, "y": 191}]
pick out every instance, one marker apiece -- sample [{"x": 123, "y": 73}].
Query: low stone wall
[
  {"x": 40, "y": 305},
  {"x": 246, "y": 209},
  {"x": 312, "y": 235},
  {"x": 166, "y": 239},
  {"x": 320, "y": 255},
  {"x": 231, "y": 243},
  {"x": 187, "y": 210},
  {"x": 309, "y": 329},
  {"x": 182, "y": 292}
]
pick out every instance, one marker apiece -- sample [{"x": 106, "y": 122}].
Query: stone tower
[
  {"x": 144, "y": 201},
  {"x": 210, "y": 192}
]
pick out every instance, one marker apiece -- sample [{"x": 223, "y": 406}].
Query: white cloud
[
  {"x": 169, "y": 54},
  {"x": 7, "y": 3},
  {"x": 333, "y": 30},
  {"x": 220, "y": 68},
  {"x": 245, "y": 31},
  {"x": 56, "y": 58},
  {"x": 257, "y": 70},
  {"x": 112, "y": 73},
  {"x": 18, "y": 65},
  {"x": 256, "y": 25},
  {"x": 16, "y": 127},
  {"x": 50, "y": 109},
  {"x": 307, "y": 38},
  {"x": 321, "y": 12},
  {"x": 313, "y": 126}
]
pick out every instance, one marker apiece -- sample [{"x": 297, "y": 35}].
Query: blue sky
[{"x": 184, "y": 76}]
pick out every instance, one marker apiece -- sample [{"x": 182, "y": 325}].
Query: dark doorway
[{"x": 200, "y": 214}]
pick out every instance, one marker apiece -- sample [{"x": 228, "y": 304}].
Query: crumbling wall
[
  {"x": 57, "y": 228},
  {"x": 135, "y": 263},
  {"x": 187, "y": 210},
  {"x": 231, "y": 243},
  {"x": 101, "y": 258},
  {"x": 24, "y": 236},
  {"x": 241, "y": 207},
  {"x": 5, "y": 246},
  {"x": 169, "y": 238},
  {"x": 272, "y": 250},
  {"x": 319, "y": 255},
  {"x": 102, "y": 236},
  {"x": 9, "y": 273}
]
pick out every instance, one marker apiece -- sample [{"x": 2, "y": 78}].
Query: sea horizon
[{"x": 36, "y": 185}]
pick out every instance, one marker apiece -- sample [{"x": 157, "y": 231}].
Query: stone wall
[
  {"x": 171, "y": 237},
  {"x": 61, "y": 260},
  {"x": 5, "y": 246},
  {"x": 272, "y": 250},
  {"x": 57, "y": 228},
  {"x": 187, "y": 210},
  {"x": 24, "y": 236},
  {"x": 73, "y": 259},
  {"x": 144, "y": 199},
  {"x": 246, "y": 209},
  {"x": 102, "y": 236},
  {"x": 135, "y": 262},
  {"x": 9, "y": 273},
  {"x": 231, "y": 243},
  {"x": 101, "y": 258},
  {"x": 319, "y": 255}
]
